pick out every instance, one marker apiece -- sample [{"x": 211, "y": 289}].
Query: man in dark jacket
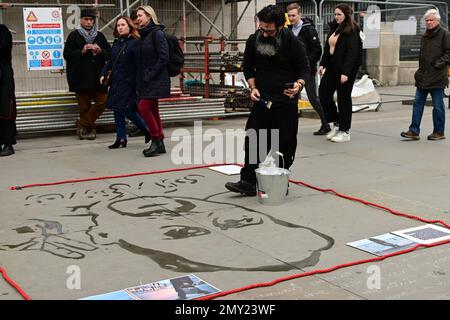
[
  {"x": 86, "y": 52},
  {"x": 305, "y": 31},
  {"x": 7, "y": 97},
  {"x": 431, "y": 77},
  {"x": 275, "y": 66}
]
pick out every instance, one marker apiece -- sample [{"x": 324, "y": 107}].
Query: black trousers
[
  {"x": 330, "y": 83},
  {"x": 8, "y": 132},
  {"x": 311, "y": 91},
  {"x": 263, "y": 126}
]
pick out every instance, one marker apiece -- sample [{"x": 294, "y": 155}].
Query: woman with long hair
[
  {"x": 153, "y": 81},
  {"x": 7, "y": 97},
  {"x": 121, "y": 71},
  {"x": 341, "y": 59}
]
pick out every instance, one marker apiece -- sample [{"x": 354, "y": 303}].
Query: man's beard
[{"x": 267, "y": 46}]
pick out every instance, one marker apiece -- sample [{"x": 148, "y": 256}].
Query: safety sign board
[{"x": 44, "y": 38}]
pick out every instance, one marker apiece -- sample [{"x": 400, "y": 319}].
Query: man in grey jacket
[{"x": 431, "y": 77}]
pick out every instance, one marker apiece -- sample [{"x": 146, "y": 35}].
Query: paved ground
[{"x": 129, "y": 231}]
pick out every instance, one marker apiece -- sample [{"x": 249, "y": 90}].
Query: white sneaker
[
  {"x": 341, "y": 136},
  {"x": 333, "y": 132}
]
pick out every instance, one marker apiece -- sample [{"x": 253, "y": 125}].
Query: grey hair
[{"x": 432, "y": 12}]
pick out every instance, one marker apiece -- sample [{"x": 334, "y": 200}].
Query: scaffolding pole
[{"x": 206, "y": 18}]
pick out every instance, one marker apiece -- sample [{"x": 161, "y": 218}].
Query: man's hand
[
  {"x": 292, "y": 92},
  {"x": 101, "y": 79},
  {"x": 254, "y": 95},
  {"x": 96, "y": 48},
  {"x": 344, "y": 78},
  {"x": 86, "y": 48},
  {"x": 320, "y": 71}
]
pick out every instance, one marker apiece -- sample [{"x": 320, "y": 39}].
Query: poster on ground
[
  {"x": 383, "y": 244},
  {"x": 180, "y": 288},
  {"x": 425, "y": 234},
  {"x": 44, "y": 38}
]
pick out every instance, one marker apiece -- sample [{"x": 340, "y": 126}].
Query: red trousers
[{"x": 149, "y": 111}]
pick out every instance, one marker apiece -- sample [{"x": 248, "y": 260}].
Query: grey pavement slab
[{"x": 130, "y": 231}]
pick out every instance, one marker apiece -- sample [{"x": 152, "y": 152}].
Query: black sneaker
[
  {"x": 323, "y": 130},
  {"x": 242, "y": 187}
]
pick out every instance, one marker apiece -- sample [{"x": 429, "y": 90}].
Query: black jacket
[
  {"x": 308, "y": 34},
  {"x": 122, "y": 91},
  {"x": 347, "y": 55},
  {"x": 433, "y": 61},
  {"x": 7, "y": 97},
  {"x": 152, "y": 55},
  {"x": 83, "y": 70},
  {"x": 289, "y": 64}
]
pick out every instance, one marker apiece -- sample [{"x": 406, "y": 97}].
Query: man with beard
[{"x": 275, "y": 66}]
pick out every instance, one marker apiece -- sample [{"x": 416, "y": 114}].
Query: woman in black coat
[
  {"x": 341, "y": 59},
  {"x": 153, "y": 81},
  {"x": 7, "y": 97},
  {"x": 121, "y": 66}
]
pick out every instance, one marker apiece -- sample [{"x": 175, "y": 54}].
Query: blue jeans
[
  {"x": 119, "y": 118},
  {"x": 437, "y": 95}
]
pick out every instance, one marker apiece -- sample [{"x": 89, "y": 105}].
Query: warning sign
[
  {"x": 45, "y": 54},
  {"x": 44, "y": 38},
  {"x": 32, "y": 17}
]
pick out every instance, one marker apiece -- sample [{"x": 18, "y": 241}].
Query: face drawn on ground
[
  {"x": 47, "y": 236},
  {"x": 168, "y": 219}
]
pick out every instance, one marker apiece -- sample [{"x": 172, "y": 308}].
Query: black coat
[
  {"x": 83, "y": 70},
  {"x": 122, "y": 91},
  {"x": 433, "y": 61},
  {"x": 7, "y": 97},
  {"x": 347, "y": 55},
  {"x": 289, "y": 64},
  {"x": 152, "y": 55},
  {"x": 310, "y": 38}
]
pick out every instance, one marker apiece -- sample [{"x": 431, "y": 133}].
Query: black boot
[
  {"x": 148, "y": 137},
  {"x": 162, "y": 147},
  {"x": 242, "y": 187},
  {"x": 324, "y": 129},
  {"x": 154, "y": 148},
  {"x": 118, "y": 143},
  {"x": 7, "y": 151}
]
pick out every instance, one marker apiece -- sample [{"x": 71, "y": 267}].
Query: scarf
[{"x": 89, "y": 36}]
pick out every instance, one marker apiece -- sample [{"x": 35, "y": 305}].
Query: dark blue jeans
[
  {"x": 119, "y": 118},
  {"x": 437, "y": 95}
]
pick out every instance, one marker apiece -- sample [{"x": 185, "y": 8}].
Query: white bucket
[{"x": 272, "y": 185}]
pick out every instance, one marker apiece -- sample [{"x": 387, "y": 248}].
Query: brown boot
[
  {"x": 92, "y": 134},
  {"x": 436, "y": 136},
  {"x": 410, "y": 135},
  {"x": 82, "y": 133}
]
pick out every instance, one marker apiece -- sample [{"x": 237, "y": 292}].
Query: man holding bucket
[{"x": 275, "y": 66}]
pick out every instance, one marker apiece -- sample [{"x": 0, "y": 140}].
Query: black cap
[{"x": 88, "y": 13}]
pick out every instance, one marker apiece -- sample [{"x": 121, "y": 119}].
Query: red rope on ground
[
  {"x": 371, "y": 204},
  {"x": 13, "y": 284},
  {"x": 313, "y": 272},
  {"x": 112, "y": 177},
  {"x": 276, "y": 281}
]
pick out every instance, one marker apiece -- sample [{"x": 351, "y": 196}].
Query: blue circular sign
[
  {"x": 48, "y": 40},
  {"x": 57, "y": 39},
  {"x": 31, "y": 40},
  {"x": 40, "y": 40},
  {"x": 56, "y": 54}
]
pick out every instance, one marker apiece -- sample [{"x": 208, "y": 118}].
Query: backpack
[{"x": 176, "y": 55}]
